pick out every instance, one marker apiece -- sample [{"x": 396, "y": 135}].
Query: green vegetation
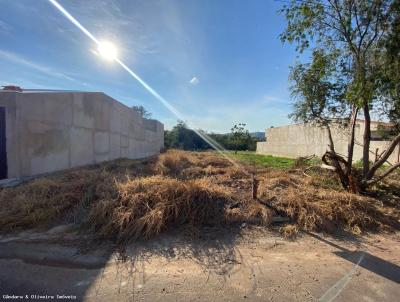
[
  {"x": 181, "y": 137},
  {"x": 263, "y": 160},
  {"x": 142, "y": 111},
  {"x": 353, "y": 72}
]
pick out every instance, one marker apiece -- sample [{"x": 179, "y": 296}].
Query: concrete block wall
[
  {"x": 50, "y": 131},
  {"x": 293, "y": 141}
]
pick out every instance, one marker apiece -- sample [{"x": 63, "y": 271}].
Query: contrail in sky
[{"x": 171, "y": 108}]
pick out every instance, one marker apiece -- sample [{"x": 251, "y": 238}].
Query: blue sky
[{"x": 219, "y": 62}]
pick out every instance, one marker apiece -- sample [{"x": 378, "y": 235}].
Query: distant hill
[{"x": 258, "y": 135}]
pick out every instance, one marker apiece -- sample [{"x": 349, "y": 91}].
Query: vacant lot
[
  {"x": 124, "y": 200},
  {"x": 197, "y": 233}
]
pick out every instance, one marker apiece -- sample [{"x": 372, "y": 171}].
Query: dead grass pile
[
  {"x": 322, "y": 178},
  {"x": 320, "y": 209},
  {"x": 127, "y": 199},
  {"x": 250, "y": 212},
  {"x": 173, "y": 163},
  {"x": 205, "y": 159},
  {"x": 122, "y": 201},
  {"x": 146, "y": 206},
  {"x": 190, "y": 165},
  {"x": 127, "y": 167},
  {"x": 289, "y": 231},
  {"x": 43, "y": 200}
]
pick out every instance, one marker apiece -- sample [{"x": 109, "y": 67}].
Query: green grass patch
[
  {"x": 359, "y": 165},
  {"x": 250, "y": 157}
]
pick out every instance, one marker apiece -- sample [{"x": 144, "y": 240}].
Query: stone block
[
  {"x": 150, "y": 124},
  {"x": 115, "y": 146},
  {"x": 125, "y": 124},
  {"x": 139, "y": 134},
  {"x": 124, "y": 141},
  {"x": 51, "y": 162},
  {"x": 132, "y": 148},
  {"x": 81, "y": 146},
  {"x": 32, "y": 106},
  {"x": 43, "y": 147},
  {"x": 140, "y": 149},
  {"x": 125, "y": 152},
  {"x": 103, "y": 114},
  {"x": 101, "y": 142},
  {"x": 115, "y": 119},
  {"x": 84, "y": 110},
  {"x": 100, "y": 157},
  {"x": 58, "y": 108}
]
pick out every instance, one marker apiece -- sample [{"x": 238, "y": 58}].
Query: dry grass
[
  {"x": 289, "y": 231},
  {"x": 146, "y": 206},
  {"x": 124, "y": 199},
  {"x": 44, "y": 199},
  {"x": 127, "y": 199},
  {"x": 173, "y": 163},
  {"x": 185, "y": 165},
  {"x": 316, "y": 208}
]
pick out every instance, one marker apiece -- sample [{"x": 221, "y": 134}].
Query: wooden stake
[{"x": 254, "y": 187}]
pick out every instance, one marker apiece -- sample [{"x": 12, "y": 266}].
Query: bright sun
[{"x": 107, "y": 50}]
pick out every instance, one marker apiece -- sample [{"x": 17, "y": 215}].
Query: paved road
[{"x": 259, "y": 266}]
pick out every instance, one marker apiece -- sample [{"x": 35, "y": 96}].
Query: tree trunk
[
  {"x": 367, "y": 139},
  {"x": 335, "y": 160},
  {"x": 350, "y": 146}
]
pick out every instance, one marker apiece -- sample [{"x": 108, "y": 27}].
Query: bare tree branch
[
  {"x": 383, "y": 157},
  {"x": 383, "y": 175}
]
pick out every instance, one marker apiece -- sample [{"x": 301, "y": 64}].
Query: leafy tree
[
  {"x": 142, "y": 111},
  {"x": 353, "y": 70},
  {"x": 239, "y": 137},
  {"x": 389, "y": 76},
  {"x": 181, "y": 137}
]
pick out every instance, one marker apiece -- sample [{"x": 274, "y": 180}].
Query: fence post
[{"x": 255, "y": 186}]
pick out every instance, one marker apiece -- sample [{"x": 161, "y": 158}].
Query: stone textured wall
[
  {"x": 302, "y": 140},
  {"x": 50, "y": 131}
]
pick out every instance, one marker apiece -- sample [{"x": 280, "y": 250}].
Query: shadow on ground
[
  {"x": 81, "y": 269},
  {"x": 365, "y": 260}
]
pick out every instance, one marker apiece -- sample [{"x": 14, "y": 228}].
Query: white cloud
[
  {"x": 41, "y": 68},
  {"x": 194, "y": 81}
]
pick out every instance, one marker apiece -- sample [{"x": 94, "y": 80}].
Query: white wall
[{"x": 302, "y": 140}]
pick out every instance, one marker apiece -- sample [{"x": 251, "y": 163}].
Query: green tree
[
  {"x": 181, "y": 137},
  {"x": 142, "y": 111},
  {"x": 240, "y": 137},
  {"x": 350, "y": 74},
  {"x": 389, "y": 77}
]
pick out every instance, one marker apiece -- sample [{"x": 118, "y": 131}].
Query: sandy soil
[{"x": 240, "y": 264}]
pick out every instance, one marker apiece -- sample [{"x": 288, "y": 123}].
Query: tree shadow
[
  {"x": 368, "y": 261},
  {"x": 213, "y": 249},
  {"x": 40, "y": 270},
  {"x": 103, "y": 270}
]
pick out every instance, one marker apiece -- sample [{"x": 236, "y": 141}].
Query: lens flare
[
  {"x": 111, "y": 53},
  {"x": 107, "y": 50}
]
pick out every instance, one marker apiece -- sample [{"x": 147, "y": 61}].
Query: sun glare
[{"x": 107, "y": 50}]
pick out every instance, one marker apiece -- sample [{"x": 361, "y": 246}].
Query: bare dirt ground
[{"x": 242, "y": 263}]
